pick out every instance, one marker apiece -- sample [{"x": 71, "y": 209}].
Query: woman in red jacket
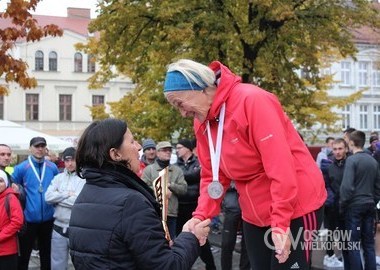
[
  {"x": 243, "y": 134},
  {"x": 11, "y": 220}
]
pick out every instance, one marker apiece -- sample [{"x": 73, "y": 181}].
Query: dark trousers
[
  {"x": 8, "y": 262},
  {"x": 184, "y": 214},
  {"x": 331, "y": 222},
  {"x": 42, "y": 232},
  {"x": 359, "y": 221},
  {"x": 232, "y": 221},
  {"x": 260, "y": 247}
]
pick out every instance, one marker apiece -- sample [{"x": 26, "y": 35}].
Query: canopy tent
[{"x": 18, "y": 138}]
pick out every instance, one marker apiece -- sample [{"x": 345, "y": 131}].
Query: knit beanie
[
  {"x": 148, "y": 143},
  {"x": 186, "y": 143}
]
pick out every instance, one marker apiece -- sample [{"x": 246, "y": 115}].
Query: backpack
[{"x": 8, "y": 210}]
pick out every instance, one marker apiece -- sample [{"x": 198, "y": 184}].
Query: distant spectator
[
  {"x": 346, "y": 134},
  {"x": 53, "y": 157},
  {"x": 177, "y": 183},
  {"x": 62, "y": 193},
  {"x": 326, "y": 152},
  {"x": 373, "y": 140},
  {"x": 149, "y": 155},
  {"x": 359, "y": 191},
  {"x": 35, "y": 175}
]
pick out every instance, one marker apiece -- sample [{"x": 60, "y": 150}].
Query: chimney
[{"x": 84, "y": 13}]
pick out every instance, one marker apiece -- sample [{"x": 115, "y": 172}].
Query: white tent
[{"x": 18, "y": 138}]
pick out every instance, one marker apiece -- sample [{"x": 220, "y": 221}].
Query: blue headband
[{"x": 176, "y": 81}]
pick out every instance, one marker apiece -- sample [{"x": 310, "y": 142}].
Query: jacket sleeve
[
  {"x": 377, "y": 185},
  {"x": 270, "y": 131},
  {"x": 145, "y": 238},
  {"x": 347, "y": 187},
  {"x": 69, "y": 202},
  {"x": 147, "y": 176},
  {"x": 18, "y": 174},
  {"x": 16, "y": 219},
  {"x": 179, "y": 186},
  {"x": 53, "y": 195},
  {"x": 193, "y": 175}
]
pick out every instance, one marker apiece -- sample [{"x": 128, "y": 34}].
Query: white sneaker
[
  {"x": 323, "y": 232},
  {"x": 334, "y": 262},
  {"x": 35, "y": 253},
  {"x": 326, "y": 260},
  {"x": 377, "y": 260}
]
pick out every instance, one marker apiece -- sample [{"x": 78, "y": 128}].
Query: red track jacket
[
  {"x": 276, "y": 177},
  {"x": 9, "y": 227}
]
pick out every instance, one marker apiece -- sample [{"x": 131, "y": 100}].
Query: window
[
  {"x": 97, "y": 100},
  {"x": 346, "y": 117},
  {"x": 78, "y": 61},
  {"x": 65, "y": 105},
  {"x": 39, "y": 60},
  {"x": 363, "y": 117},
  {"x": 376, "y": 117},
  {"x": 375, "y": 74},
  {"x": 31, "y": 107},
  {"x": 1, "y": 107},
  {"x": 90, "y": 63},
  {"x": 53, "y": 61},
  {"x": 345, "y": 73},
  {"x": 363, "y": 73}
]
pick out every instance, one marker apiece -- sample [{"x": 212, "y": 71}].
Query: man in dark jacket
[
  {"x": 359, "y": 192},
  {"x": 333, "y": 175}
]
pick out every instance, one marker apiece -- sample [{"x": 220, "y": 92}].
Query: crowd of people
[
  {"x": 246, "y": 160},
  {"x": 352, "y": 179}
]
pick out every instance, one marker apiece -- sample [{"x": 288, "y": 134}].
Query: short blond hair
[{"x": 194, "y": 72}]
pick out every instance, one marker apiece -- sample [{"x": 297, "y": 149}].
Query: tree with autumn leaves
[
  {"x": 22, "y": 26},
  {"x": 267, "y": 42}
]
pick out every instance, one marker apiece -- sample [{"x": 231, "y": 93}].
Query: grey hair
[{"x": 194, "y": 72}]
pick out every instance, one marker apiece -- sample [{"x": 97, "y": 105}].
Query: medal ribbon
[
  {"x": 215, "y": 153},
  {"x": 40, "y": 179}
]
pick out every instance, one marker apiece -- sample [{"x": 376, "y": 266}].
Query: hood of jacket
[{"x": 223, "y": 89}]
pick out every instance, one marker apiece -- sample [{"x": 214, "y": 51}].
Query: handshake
[{"x": 199, "y": 228}]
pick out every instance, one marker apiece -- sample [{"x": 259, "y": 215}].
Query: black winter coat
[
  {"x": 192, "y": 172},
  {"x": 115, "y": 224}
]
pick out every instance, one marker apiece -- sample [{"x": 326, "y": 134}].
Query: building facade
[
  {"x": 362, "y": 73},
  {"x": 59, "y": 104}
]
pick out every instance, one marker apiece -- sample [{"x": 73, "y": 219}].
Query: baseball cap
[
  {"x": 164, "y": 144},
  {"x": 37, "y": 140}
]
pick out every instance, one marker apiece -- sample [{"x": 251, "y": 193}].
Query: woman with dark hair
[{"x": 115, "y": 222}]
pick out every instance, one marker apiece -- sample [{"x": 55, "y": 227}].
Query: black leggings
[
  {"x": 263, "y": 257},
  {"x": 8, "y": 262}
]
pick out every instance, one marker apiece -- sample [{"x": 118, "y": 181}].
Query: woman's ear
[{"x": 114, "y": 154}]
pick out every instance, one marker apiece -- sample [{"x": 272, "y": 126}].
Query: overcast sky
[{"x": 58, "y": 7}]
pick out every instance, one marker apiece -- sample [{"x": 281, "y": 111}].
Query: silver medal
[
  {"x": 215, "y": 190},
  {"x": 41, "y": 189}
]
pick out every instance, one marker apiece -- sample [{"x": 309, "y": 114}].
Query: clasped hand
[{"x": 199, "y": 228}]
